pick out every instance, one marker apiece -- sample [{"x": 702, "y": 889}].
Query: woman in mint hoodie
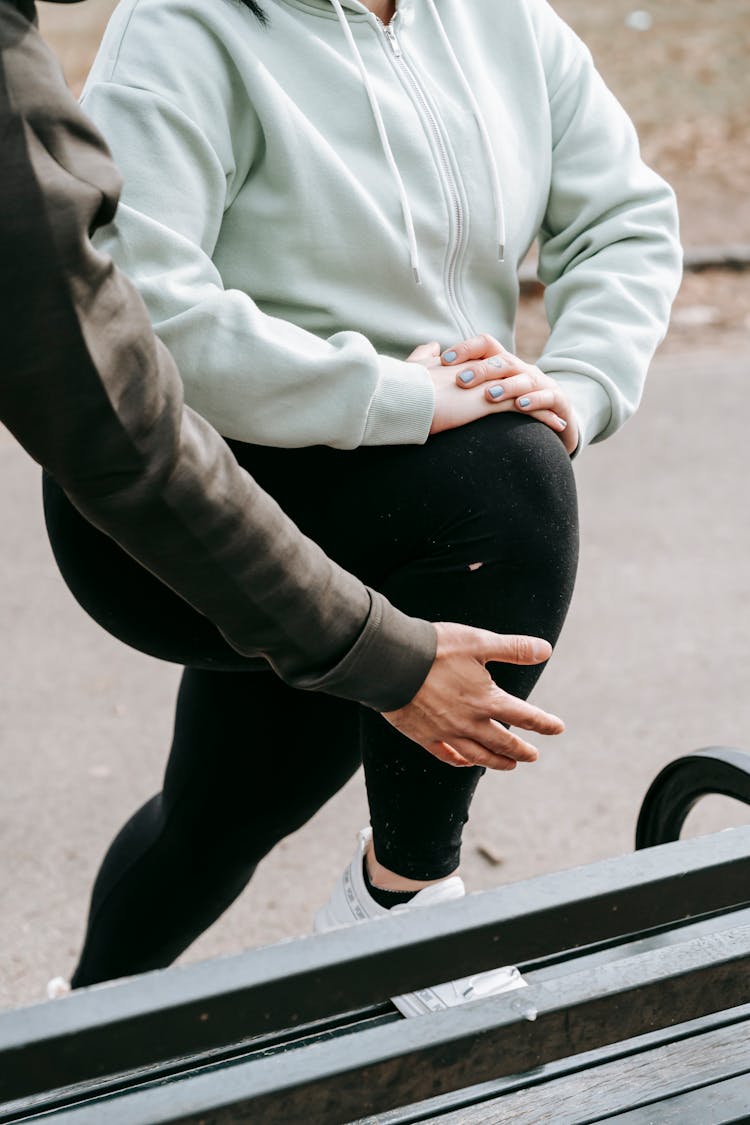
[{"x": 311, "y": 193}]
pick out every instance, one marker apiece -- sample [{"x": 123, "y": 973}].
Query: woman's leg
[
  {"x": 505, "y": 559},
  {"x": 188, "y": 852},
  {"x": 415, "y": 522},
  {"x": 127, "y": 600},
  {"x": 252, "y": 760},
  {"x": 478, "y": 526}
]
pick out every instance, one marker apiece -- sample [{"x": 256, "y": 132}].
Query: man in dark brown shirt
[{"x": 93, "y": 396}]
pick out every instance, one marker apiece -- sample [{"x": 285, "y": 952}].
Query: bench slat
[
  {"x": 386, "y": 1013},
  {"x": 375, "y": 1070},
  {"x": 108, "y": 1030},
  {"x": 639, "y": 1079},
  {"x": 723, "y": 1104}
]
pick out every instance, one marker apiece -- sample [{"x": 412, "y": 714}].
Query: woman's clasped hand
[{"x": 479, "y": 376}]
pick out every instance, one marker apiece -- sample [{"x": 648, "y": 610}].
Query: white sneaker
[
  {"x": 352, "y": 902},
  {"x": 57, "y": 987}
]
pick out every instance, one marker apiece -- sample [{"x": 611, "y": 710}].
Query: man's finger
[
  {"x": 497, "y": 739},
  {"x": 508, "y": 648},
  {"x": 491, "y": 737},
  {"x": 446, "y": 754},
  {"x": 518, "y": 713},
  {"x": 478, "y": 755}
]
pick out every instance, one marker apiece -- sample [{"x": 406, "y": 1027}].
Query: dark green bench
[{"x": 638, "y": 1008}]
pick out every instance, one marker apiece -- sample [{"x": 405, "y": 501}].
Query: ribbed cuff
[
  {"x": 402, "y": 407},
  {"x": 387, "y": 664}
]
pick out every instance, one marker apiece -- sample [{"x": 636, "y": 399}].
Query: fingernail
[
  {"x": 524, "y": 401},
  {"x": 466, "y": 376},
  {"x": 495, "y": 361},
  {"x": 496, "y": 392},
  {"x": 562, "y": 424},
  {"x": 449, "y": 357}
]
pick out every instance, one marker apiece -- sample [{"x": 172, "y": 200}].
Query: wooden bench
[{"x": 637, "y": 1010}]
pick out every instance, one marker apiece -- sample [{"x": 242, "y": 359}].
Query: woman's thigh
[
  {"x": 439, "y": 527},
  {"x": 126, "y": 599},
  {"x": 495, "y": 497}
]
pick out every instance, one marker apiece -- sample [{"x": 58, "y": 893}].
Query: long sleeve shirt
[
  {"x": 287, "y": 183},
  {"x": 96, "y": 398}
]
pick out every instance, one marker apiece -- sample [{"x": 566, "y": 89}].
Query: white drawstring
[
  {"x": 385, "y": 143},
  {"x": 497, "y": 195}
]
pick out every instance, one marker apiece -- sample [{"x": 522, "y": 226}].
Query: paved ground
[{"x": 653, "y": 662}]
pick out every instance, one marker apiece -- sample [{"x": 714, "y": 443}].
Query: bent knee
[
  {"x": 528, "y": 446},
  {"x": 514, "y": 464}
]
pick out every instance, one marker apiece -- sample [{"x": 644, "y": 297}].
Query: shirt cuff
[
  {"x": 402, "y": 407},
  {"x": 387, "y": 664}
]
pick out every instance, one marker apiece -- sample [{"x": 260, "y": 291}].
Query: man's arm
[{"x": 91, "y": 393}]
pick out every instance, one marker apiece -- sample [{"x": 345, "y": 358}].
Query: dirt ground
[{"x": 686, "y": 84}]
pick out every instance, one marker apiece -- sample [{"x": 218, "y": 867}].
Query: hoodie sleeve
[
  {"x": 93, "y": 396},
  {"x": 609, "y": 251},
  {"x": 256, "y": 377}
]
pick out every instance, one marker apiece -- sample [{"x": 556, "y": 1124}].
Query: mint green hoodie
[{"x": 306, "y": 202}]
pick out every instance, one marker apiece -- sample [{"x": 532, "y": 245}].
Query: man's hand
[{"x": 458, "y": 713}]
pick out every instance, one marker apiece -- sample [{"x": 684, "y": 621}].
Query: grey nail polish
[
  {"x": 449, "y": 356},
  {"x": 466, "y": 376},
  {"x": 496, "y": 392},
  {"x": 524, "y": 401},
  {"x": 495, "y": 361}
]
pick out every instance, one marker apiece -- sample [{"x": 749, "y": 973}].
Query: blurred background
[
  {"x": 655, "y": 657},
  {"x": 681, "y": 68}
]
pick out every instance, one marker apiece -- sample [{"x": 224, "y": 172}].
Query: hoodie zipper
[{"x": 444, "y": 165}]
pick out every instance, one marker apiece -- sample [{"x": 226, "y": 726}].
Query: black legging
[{"x": 252, "y": 759}]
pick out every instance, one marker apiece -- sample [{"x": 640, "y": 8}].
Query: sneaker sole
[{"x": 426, "y": 1000}]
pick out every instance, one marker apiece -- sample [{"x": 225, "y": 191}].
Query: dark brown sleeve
[{"x": 93, "y": 396}]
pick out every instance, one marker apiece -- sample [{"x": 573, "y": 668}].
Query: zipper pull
[{"x": 390, "y": 35}]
